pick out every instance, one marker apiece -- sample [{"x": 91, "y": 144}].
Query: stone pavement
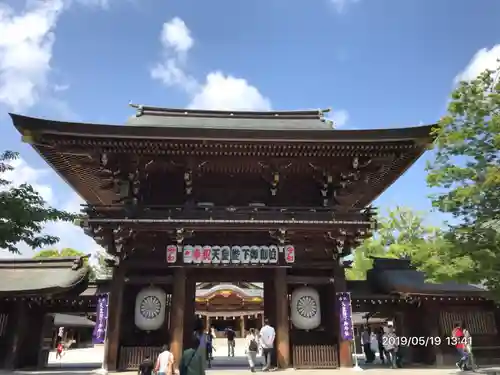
[{"x": 87, "y": 361}]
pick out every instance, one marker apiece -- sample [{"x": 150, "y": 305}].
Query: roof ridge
[{"x": 183, "y": 112}]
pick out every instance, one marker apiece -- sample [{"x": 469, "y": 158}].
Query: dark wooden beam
[
  {"x": 311, "y": 280},
  {"x": 134, "y": 280}
]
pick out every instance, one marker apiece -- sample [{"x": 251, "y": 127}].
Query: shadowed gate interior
[{"x": 310, "y": 348}]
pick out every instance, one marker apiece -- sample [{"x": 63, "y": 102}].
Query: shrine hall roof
[
  {"x": 49, "y": 276},
  {"x": 285, "y": 128},
  {"x": 243, "y": 292},
  {"x": 192, "y": 118},
  {"x": 399, "y": 276},
  {"x": 73, "y": 149}
]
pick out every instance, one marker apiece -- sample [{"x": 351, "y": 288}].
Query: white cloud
[
  {"x": 176, "y": 41},
  {"x": 219, "y": 91},
  {"x": 95, "y": 3},
  {"x": 483, "y": 59},
  {"x": 176, "y": 35},
  {"x": 26, "y": 44},
  {"x": 26, "y": 41},
  {"x": 339, "y": 118},
  {"x": 60, "y": 88},
  {"x": 24, "y": 173},
  {"x": 228, "y": 93},
  {"x": 341, "y": 5}
]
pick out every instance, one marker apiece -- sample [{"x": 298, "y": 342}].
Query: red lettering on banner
[
  {"x": 207, "y": 254},
  {"x": 197, "y": 254},
  {"x": 171, "y": 254},
  {"x": 290, "y": 254}
]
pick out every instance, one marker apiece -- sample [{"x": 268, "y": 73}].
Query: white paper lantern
[
  {"x": 150, "y": 308},
  {"x": 305, "y": 308}
]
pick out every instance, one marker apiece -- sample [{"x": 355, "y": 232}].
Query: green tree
[
  {"x": 466, "y": 171},
  {"x": 101, "y": 268},
  {"x": 403, "y": 234},
  {"x": 23, "y": 212},
  {"x": 54, "y": 253},
  {"x": 66, "y": 252}
]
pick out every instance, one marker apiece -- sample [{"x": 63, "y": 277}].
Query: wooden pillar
[
  {"x": 282, "y": 316},
  {"x": 115, "y": 305},
  {"x": 178, "y": 312},
  {"x": 270, "y": 307},
  {"x": 17, "y": 327},
  {"x": 345, "y": 347},
  {"x": 242, "y": 325},
  {"x": 191, "y": 320},
  {"x": 207, "y": 322}
]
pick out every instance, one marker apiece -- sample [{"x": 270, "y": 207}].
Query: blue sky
[{"x": 377, "y": 63}]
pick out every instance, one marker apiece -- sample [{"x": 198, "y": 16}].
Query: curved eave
[
  {"x": 45, "y": 286},
  {"x": 219, "y": 289},
  {"x": 42, "y": 126}
]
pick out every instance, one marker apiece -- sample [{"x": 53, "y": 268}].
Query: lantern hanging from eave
[
  {"x": 150, "y": 308},
  {"x": 305, "y": 308}
]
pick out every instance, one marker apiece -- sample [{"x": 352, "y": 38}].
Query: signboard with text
[
  {"x": 345, "y": 315},
  {"x": 226, "y": 255}
]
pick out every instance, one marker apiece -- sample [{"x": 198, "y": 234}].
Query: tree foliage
[
  {"x": 54, "y": 253},
  {"x": 23, "y": 212},
  {"x": 66, "y": 252},
  {"x": 466, "y": 171},
  {"x": 403, "y": 234},
  {"x": 101, "y": 268}
]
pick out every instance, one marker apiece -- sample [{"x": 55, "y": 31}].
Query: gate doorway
[{"x": 226, "y": 311}]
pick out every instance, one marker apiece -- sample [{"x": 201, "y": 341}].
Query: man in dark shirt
[
  {"x": 230, "y": 335},
  {"x": 146, "y": 367}
]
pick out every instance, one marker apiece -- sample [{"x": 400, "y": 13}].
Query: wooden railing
[
  {"x": 132, "y": 356},
  {"x": 314, "y": 356}
]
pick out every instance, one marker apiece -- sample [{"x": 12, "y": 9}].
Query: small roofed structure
[
  {"x": 70, "y": 320},
  {"x": 399, "y": 276},
  {"x": 43, "y": 276},
  {"x": 27, "y": 289},
  {"x": 394, "y": 289}
]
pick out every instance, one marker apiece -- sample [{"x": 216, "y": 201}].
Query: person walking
[
  {"x": 230, "y": 335},
  {"x": 267, "y": 336},
  {"x": 59, "y": 350},
  {"x": 192, "y": 360},
  {"x": 146, "y": 367},
  {"x": 366, "y": 340},
  {"x": 164, "y": 362},
  {"x": 458, "y": 338},
  {"x": 381, "y": 350},
  {"x": 389, "y": 341},
  {"x": 468, "y": 347},
  {"x": 209, "y": 347},
  {"x": 252, "y": 347}
]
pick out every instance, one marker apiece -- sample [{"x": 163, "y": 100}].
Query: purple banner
[
  {"x": 99, "y": 333},
  {"x": 345, "y": 315}
]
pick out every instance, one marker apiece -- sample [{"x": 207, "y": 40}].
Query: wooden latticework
[
  {"x": 314, "y": 356},
  {"x": 132, "y": 356},
  {"x": 477, "y": 322}
]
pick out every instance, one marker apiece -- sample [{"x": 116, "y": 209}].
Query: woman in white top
[
  {"x": 165, "y": 362},
  {"x": 251, "y": 348}
]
